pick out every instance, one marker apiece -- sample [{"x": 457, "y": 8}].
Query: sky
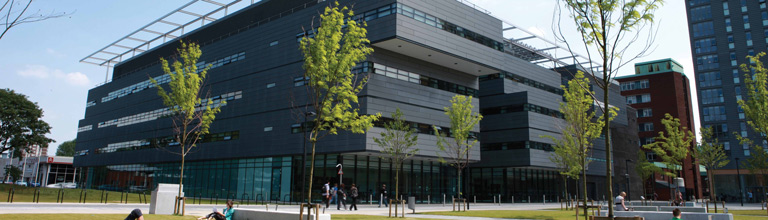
[{"x": 41, "y": 60}]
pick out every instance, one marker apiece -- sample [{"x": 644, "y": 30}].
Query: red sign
[
  {"x": 50, "y": 159},
  {"x": 341, "y": 172}
]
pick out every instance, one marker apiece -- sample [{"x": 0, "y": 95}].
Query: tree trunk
[
  {"x": 565, "y": 191},
  {"x": 397, "y": 186},
  {"x": 608, "y": 150},
  {"x": 584, "y": 180},
  {"x": 181, "y": 181},
  {"x": 458, "y": 187},
  {"x": 712, "y": 194},
  {"x": 311, "y": 171}
]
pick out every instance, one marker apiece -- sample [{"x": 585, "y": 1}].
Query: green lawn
[
  {"x": 25, "y": 194},
  {"x": 88, "y": 216},
  {"x": 368, "y": 217},
  {"x": 525, "y": 214},
  {"x": 569, "y": 215}
]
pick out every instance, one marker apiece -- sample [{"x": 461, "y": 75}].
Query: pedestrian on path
[
  {"x": 342, "y": 196},
  {"x": 383, "y": 194},
  {"x": 353, "y": 194}
]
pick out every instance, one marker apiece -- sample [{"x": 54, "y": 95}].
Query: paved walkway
[{"x": 365, "y": 209}]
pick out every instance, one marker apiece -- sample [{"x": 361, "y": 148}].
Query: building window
[
  {"x": 764, "y": 16},
  {"x": 639, "y": 99},
  {"x": 719, "y": 130},
  {"x": 300, "y": 81},
  {"x": 707, "y": 62},
  {"x": 727, "y": 148},
  {"x": 710, "y": 79},
  {"x": 730, "y": 42},
  {"x": 705, "y": 45},
  {"x": 270, "y": 85},
  {"x": 713, "y": 113},
  {"x": 640, "y": 84},
  {"x": 741, "y": 112},
  {"x": 728, "y": 27},
  {"x": 703, "y": 29},
  {"x": 646, "y": 112},
  {"x": 725, "y": 9},
  {"x": 743, "y": 126},
  {"x": 748, "y": 36},
  {"x": 746, "y": 21},
  {"x": 645, "y": 127},
  {"x": 646, "y": 140},
  {"x": 736, "y": 76},
  {"x": 711, "y": 96},
  {"x": 273, "y": 43},
  {"x": 701, "y": 13},
  {"x": 737, "y": 91},
  {"x": 743, "y": 5},
  {"x": 732, "y": 55},
  {"x": 267, "y": 129}
]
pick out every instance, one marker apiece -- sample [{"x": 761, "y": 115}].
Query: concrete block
[
  {"x": 668, "y": 215},
  {"x": 252, "y": 214},
  {"x": 682, "y": 209},
  {"x": 163, "y": 198}
]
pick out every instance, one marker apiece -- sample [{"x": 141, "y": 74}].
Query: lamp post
[
  {"x": 626, "y": 174},
  {"x": 738, "y": 177},
  {"x": 304, "y": 156}
]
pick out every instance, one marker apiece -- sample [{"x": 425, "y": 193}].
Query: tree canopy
[
  {"x": 66, "y": 148},
  {"x": 672, "y": 145},
  {"x": 21, "y": 123},
  {"x": 463, "y": 120},
  {"x": 756, "y": 111}
]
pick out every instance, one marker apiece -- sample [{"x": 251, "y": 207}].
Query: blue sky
[{"x": 41, "y": 60}]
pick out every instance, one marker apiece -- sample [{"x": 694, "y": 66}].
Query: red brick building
[{"x": 659, "y": 87}]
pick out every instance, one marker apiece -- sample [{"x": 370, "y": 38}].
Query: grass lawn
[
  {"x": 525, "y": 214},
  {"x": 366, "y": 217},
  {"x": 25, "y": 194},
  {"x": 88, "y": 216}
]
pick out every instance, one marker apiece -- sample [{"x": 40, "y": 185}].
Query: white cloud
[
  {"x": 43, "y": 72},
  {"x": 36, "y": 71}
]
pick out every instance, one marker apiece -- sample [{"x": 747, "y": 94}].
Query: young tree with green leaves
[
  {"x": 12, "y": 173},
  {"x": 190, "y": 110},
  {"x": 608, "y": 29},
  {"x": 672, "y": 145},
  {"x": 67, "y": 149},
  {"x": 645, "y": 169},
  {"x": 563, "y": 159},
  {"x": 581, "y": 126},
  {"x": 756, "y": 111},
  {"x": 711, "y": 155},
  {"x": 463, "y": 120},
  {"x": 332, "y": 88},
  {"x": 21, "y": 123},
  {"x": 397, "y": 143}
]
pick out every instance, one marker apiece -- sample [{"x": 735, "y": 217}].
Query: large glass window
[
  {"x": 701, "y": 13},
  {"x": 639, "y": 98},
  {"x": 748, "y": 37},
  {"x": 640, "y": 84},
  {"x": 646, "y": 112},
  {"x": 710, "y": 79},
  {"x": 726, "y": 12},
  {"x": 707, "y": 62},
  {"x": 703, "y": 29},
  {"x": 745, "y": 18},
  {"x": 705, "y": 45},
  {"x": 714, "y": 113},
  {"x": 645, "y": 127},
  {"x": 710, "y": 96}
]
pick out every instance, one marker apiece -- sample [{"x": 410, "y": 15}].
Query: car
[
  {"x": 34, "y": 184},
  {"x": 21, "y": 183},
  {"x": 69, "y": 185},
  {"x": 8, "y": 182},
  {"x": 55, "y": 185}
]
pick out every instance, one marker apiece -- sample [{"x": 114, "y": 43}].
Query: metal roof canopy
[
  {"x": 516, "y": 46},
  {"x": 168, "y": 27}
]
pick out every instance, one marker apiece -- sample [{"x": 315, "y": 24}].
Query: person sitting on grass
[
  {"x": 216, "y": 215},
  {"x": 135, "y": 215},
  {"x": 676, "y": 214}
]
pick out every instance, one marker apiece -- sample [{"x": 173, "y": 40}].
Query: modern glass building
[
  {"x": 425, "y": 53},
  {"x": 727, "y": 30}
]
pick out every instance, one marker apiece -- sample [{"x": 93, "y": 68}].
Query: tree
[
  {"x": 397, "y": 141},
  {"x": 711, "y": 155},
  {"x": 608, "y": 28},
  {"x": 191, "y": 114},
  {"x": 332, "y": 88},
  {"x": 645, "y": 169},
  {"x": 580, "y": 129},
  {"x": 66, "y": 148},
  {"x": 463, "y": 120},
  {"x": 673, "y": 146},
  {"x": 563, "y": 159},
  {"x": 21, "y": 123},
  {"x": 13, "y": 16},
  {"x": 12, "y": 173},
  {"x": 756, "y": 111}
]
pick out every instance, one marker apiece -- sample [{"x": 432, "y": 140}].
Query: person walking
[
  {"x": 353, "y": 194},
  {"x": 342, "y": 196},
  {"x": 383, "y": 194},
  {"x": 334, "y": 190},
  {"x": 749, "y": 196},
  {"x": 327, "y": 194}
]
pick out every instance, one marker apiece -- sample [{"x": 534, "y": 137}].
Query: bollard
[
  {"x": 475, "y": 199},
  {"x": 10, "y": 195},
  {"x": 443, "y": 199},
  {"x": 429, "y": 200},
  {"x": 499, "y": 199},
  {"x": 34, "y": 195},
  {"x": 544, "y": 199},
  {"x": 370, "y": 199},
  {"x": 102, "y": 196},
  {"x": 106, "y": 198},
  {"x": 529, "y": 199},
  {"x": 513, "y": 199},
  {"x": 121, "y": 197}
]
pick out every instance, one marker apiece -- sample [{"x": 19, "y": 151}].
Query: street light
[
  {"x": 738, "y": 177},
  {"x": 626, "y": 174},
  {"x": 304, "y": 156}
]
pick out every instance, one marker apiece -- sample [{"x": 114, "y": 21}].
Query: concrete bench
[
  {"x": 668, "y": 215},
  {"x": 657, "y": 203},
  {"x": 253, "y": 214},
  {"x": 636, "y": 208},
  {"x": 682, "y": 209}
]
